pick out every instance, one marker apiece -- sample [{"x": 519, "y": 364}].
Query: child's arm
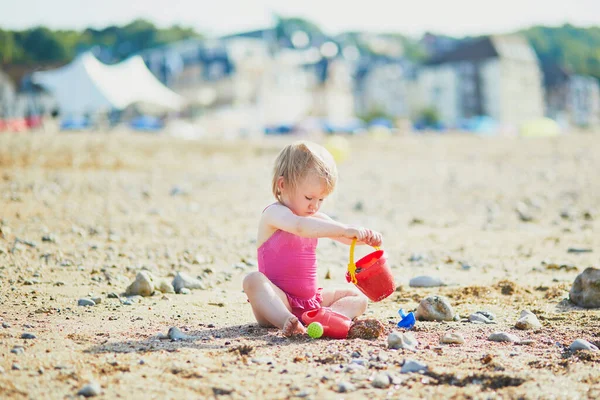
[
  {"x": 372, "y": 238},
  {"x": 281, "y": 217}
]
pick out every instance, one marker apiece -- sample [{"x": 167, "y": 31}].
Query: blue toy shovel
[{"x": 408, "y": 320}]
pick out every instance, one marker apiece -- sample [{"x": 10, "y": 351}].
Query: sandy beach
[{"x": 505, "y": 223}]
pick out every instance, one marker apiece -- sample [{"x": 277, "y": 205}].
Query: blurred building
[
  {"x": 571, "y": 99},
  {"x": 7, "y": 96},
  {"x": 386, "y": 86},
  {"x": 495, "y": 76}
]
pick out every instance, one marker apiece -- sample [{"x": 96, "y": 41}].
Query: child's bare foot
[{"x": 293, "y": 327}]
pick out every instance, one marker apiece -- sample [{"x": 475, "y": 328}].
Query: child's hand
[
  {"x": 364, "y": 235},
  {"x": 356, "y": 233},
  {"x": 373, "y": 238}
]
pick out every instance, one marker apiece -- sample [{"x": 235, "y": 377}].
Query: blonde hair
[{"x": 297, "y": 160}]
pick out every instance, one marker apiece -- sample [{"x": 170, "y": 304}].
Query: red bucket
[{"x": 371, "y": 274}]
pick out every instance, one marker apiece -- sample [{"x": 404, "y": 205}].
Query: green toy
[{"x": 315, "y": 330}]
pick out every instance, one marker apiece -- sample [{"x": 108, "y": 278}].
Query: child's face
[{"x": 306, "y": 199}]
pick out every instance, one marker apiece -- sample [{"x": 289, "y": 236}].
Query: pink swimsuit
[{"x": 290, "y": 263}]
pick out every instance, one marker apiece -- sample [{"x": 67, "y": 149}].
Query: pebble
[
  {"x": 345, "y": 387},
  {"x": 176, "y": 334},
  {"x": 184, "y": 291},
  {"x": 5, "y": 325},
  {"x": 585, "y": 291},
  {"x": 90, "y": 390},
  {"x": 453, "y": 338},
  {"x": 112, "y": 295},
  {"x": 503, "y": 337},
  {"x": 527, "y": 321},
  {"x": 263, "y": 360},
  {"x": 164, "y": 286},
  {"x": 381, "y": 381},
  {"x": 18, "y": 350},
  {"x": 489, "y": 315},
  {"x": 16, "y": 367},
  {"x": 360, "y": 361},
  {"x": 413, "y": 366},
  {"x": 478, "y": 318},
  {"x": 435, "y": 308},
  {"x": 580, "y": 344},
  {"x": 368, "y": 329},
  {"x": 86, "y": 302},
  {"x": 425, "y": 281},
  {"x": 404, "y": 340},
  {"x": 143, "y": 285},
  {"x": 183, "y": 280},
  {"x": 527, "y": 342},
  {"x": 27, "y": 335}
]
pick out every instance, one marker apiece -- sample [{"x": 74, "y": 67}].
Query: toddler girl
[{"x": 285, "y": 285}]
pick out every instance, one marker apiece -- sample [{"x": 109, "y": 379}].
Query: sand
[{"x": 493, "y": 218}]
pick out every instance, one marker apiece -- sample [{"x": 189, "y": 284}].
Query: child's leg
[
  {"x": 270, "y": 304},
  {"x": 348, "y": 302}
]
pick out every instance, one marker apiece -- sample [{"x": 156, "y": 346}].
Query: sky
[{"x": 217, "y": 17}]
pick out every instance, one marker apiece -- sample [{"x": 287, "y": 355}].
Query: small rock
[
  {"x": 527, "y": 342},
  {"x": 164, "y": 286},
  {"x": 478, "y": 318},
  {"x": 453, "y": 338},
  {"x": 503, "y": 337},
  {"x": 381, "y": 381},
  {"x": 425, "y": 281},
  {"x": 524, "y": 213},
  {"x": 86, "y": 302},
  {"x": 369, "y": 328},
  {"x": 15, "y": 367},
  {"x": 90, "y": 390},
  {"x": 528, "y": 320},
  {"x": 360, "y": 361},
  {"x": 580, "y": 344},
  {"x": 434, "y": 308},
  {"x": 263, "y": 360},
  {"x": 183, "y": 280},
  {"x": 27, "y": 335},
  {"x": 489, "y": 315},
  {"x": 404, "y": 340},
  {"x": 176, "y": 334},
  {"x": 112, "y": 295},
  {"x": 143, "y": 285},
  {"x": 184, "y": 291},
  {"x": 18, "y": 350},
  {"x": 345, "y": 387},
  {"x": 413, "y": 366},
  {"x": 585, "y": 291}
]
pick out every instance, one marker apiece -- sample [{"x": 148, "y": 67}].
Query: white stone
[
  {"x": 581, "y": 344},
  {"x": 413, "y": 366},
  {"x": 453, "y": 338},
  {"x": 425, "y": 281},
  {"x": 183, "y": 280},
  {"x": 503, "y": 337},
  {"x": 143, "y": 285},
  {"x": 404, "y": 340},
  {"x": 434, "y": 308},
  {"x": 528, "y": 320}
]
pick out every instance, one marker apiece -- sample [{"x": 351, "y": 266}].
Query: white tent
[{"x": 87, "y": 86}]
